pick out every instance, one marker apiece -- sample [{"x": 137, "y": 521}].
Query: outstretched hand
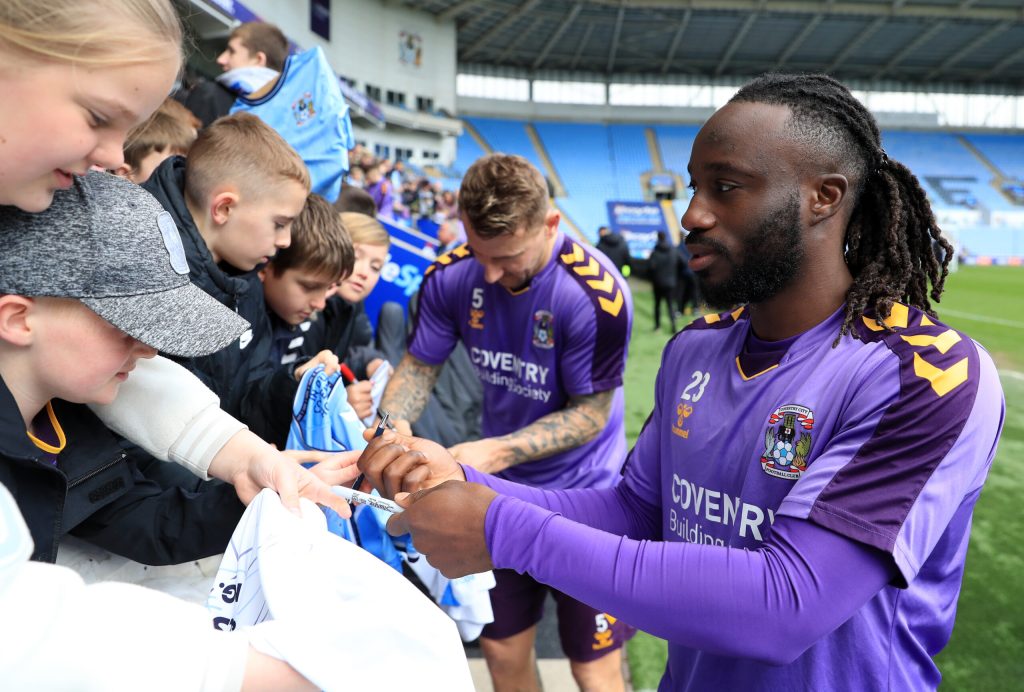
[
  {"x": 395, "y": 463},
  {"x": 447, "y": 525}
]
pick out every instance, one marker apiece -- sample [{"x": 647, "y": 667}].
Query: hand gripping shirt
[
  {"x": 565, "y": 335},
  {"x": 886, "y": 440}
]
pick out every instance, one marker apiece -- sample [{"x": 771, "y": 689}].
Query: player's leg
[
  {"x": 512, "y": 661},
  {"x": 593, "y": 642},
  {"x": 507, "y": 643}
]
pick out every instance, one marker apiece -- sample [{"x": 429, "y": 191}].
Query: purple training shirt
[
  {"x": 565, "y": 335},
  {"x": 876, "y": 448}
]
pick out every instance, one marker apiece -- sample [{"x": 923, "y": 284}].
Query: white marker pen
[{"x": 357, "y": 497}]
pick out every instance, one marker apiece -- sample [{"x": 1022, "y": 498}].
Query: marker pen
[{"x": 356, "y": 497}]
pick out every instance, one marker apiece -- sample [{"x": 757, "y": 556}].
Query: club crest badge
[
  {"x": 303, "y": 109},
  {"x": 787, "y": 441},
  {"x": 543, "y": 329}
]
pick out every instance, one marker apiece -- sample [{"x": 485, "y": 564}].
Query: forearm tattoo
[
  {"x": 409, "y": 388},
  {"x": 576, "y": 424}
]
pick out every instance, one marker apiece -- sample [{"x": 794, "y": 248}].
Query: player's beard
[{"x": 772, "y": 256}]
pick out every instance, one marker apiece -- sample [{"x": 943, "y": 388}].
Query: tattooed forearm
[
  {"x": 409, "y": 388},
  {"x": 579, "y": 422}
]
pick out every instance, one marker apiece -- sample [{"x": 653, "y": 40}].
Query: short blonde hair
[
  {"x": 365, "y": 230},
  {"x": 172, "y": 128},
  {"x": 97, "y": 32},
  {"x": 502, "y": 193},
  {"x": 244, "y": 151}
]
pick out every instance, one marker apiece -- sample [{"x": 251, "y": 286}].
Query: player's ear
[
  {"x": 15, "y": 322},
  {"x": 827, "y": 194},
  {"x": 551, "y": 221}
]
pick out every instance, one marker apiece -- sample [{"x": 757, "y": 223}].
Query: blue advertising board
[
  {"x": 638, "y": 223},
  {"x": 410, "y": 255}
]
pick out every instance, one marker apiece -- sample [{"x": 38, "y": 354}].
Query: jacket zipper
[{"x": 96, "y": 472}]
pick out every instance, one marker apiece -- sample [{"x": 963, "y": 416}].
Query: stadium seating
[{"x": 597, "y": 163}]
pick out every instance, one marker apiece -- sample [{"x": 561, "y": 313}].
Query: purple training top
[
  {"x": 564, "y": 335},
  {"x": 869, "y": 457}
]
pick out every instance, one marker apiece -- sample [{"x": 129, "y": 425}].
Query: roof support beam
[
  {"x": 495, "y": 30},
  {"x": 837, "y": 7},
  {"x": 569, "y": 18},
  {"x": 795, "y": 44},
  {"x": 736, "y": 41},
  {"x": 457, "y": 9},
  {"x": 670, "y": 56},
  {"x": 583, "y": 44},
  {"x": 921, "y": 39},
  {"x": 868, "y": 31},
  {"x": 967, "y": 49},
  {"x": 615, "y": 38},
  {"x": 1014, "y": 57}
]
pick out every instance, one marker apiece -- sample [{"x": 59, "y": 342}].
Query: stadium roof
[{"x": 939, "y": 42}]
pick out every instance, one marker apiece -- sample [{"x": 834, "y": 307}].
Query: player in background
[
  {"x": 546, "y": 323},
  {"x": 796, "y": 511}
]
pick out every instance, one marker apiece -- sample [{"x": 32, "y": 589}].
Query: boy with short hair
[
  {"x": 170, "y": 131},
  {"x": 234, "y": 200},
  {"x": 298, "y": 280},
  {"x": 114, "y": 291}
]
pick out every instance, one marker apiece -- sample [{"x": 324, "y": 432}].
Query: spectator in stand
[
  {"x": 398, "y": 175},
  {"x": 663, "y": 266},
  {"x": 424, "y": 202},
  {"x": 447, "y": 206},
  {"x": 615, "y": 248},
  {"x": 447, "y": 236},
  {"x": 353, "y": 198},
  {"x": 379, "y": 187},
  {"x": 252, "y": 60},
  {"x": 170, "y": 131},
  {"x": 356, "y": 177}
]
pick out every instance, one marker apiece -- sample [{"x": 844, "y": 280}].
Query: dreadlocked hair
[{"x": 889, "y": 239}]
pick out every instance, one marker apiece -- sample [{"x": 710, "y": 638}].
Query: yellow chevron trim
[
  {"x": 925, "y": 322},
  {"x": 575, "y": 256},
  {"x": 429, "y": 269},
  {"x": 591, "y": 269},
  {"x": 943, "y": 381},
  {"x": 604, "y": 284},
  {"x": 445, "y": 259},
  {"x": 461, "y": 251},
  {"x": 943, "y": 342},
  {"x": 737, "y": 312},
  {"x": 611, "y": 620},
  {"x": 712, "y": 318},
  {"x": 897, "y": 318},
  {"x": 612, "y": 307}
]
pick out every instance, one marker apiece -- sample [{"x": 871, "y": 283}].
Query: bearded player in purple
[
  {"x": 546, "y": 323},
  {"x": 796, "y": 511}
]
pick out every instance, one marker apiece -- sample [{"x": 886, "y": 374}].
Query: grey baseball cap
[{"x": 108, "y": 243}]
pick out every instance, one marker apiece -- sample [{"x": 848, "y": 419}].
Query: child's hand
[
  {"x": 360, "y": 398},
  {"x": 325, "y": 358}
]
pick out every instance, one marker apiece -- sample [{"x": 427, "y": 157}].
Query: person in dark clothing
[
  {"x": 228, "y": 228},
  {"x": 688, "y": 289},
  {"x": 70, "y": 338},
  {"x": 614, "y": 248},
  {"x": 664, "y": 268}
]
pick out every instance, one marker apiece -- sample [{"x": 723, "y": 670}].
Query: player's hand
[
  {"x": 326, "y": 358},
  {"x": 360, "y": 398},
  {"x": 447, "y": 525},
  {"x": 487, "y": 455},
  {"x": 250, "y": 464},
  {"x": 395, "y": 463}
]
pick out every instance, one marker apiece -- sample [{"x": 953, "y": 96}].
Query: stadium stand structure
[{"x": 973, "y": 180}]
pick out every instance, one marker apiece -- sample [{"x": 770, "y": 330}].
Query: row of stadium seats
[{"x": 973, "y": 180}]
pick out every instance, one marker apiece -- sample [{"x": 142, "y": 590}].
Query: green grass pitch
[{"x": 986, "y": 651}]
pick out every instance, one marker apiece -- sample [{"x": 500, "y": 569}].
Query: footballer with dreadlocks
[{"x": 796, "y": 511}]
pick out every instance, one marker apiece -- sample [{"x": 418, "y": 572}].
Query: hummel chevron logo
[
  {"x": 591, "y": 269},
  {"x": 575, "y": 256},
  {"x": 943, "y": 381},
  {"x": 604, "y": 284},
  {"x": 612, "y": 307}
]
